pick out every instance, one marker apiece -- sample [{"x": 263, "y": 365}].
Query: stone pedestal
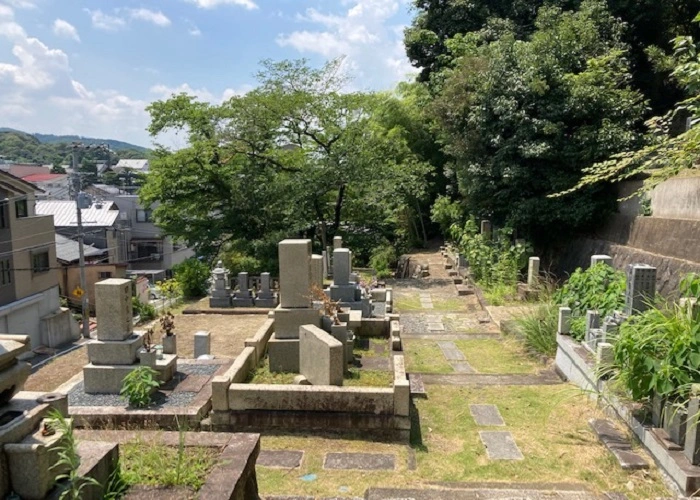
[
  {"x": 220, "y": 293},
  {"x": 283, "y": 355},
  {"x": 321, "y": 356},
  {"x": 344, "y": 293},
  {"x": 108, "y": 379},
  {"x": 202, "y": 344},
  {"x": 288, "y": 321}
]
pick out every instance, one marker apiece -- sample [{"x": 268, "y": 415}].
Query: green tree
[
  {"x": 522, "y": 119},
  {"x": 296, "y": 156},
  {"x": 193, "y": 277}
]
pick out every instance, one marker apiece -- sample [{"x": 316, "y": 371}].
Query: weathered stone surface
[
  {"x": 379, "y": 294},
  {"x": 98, "y": 460},
  {"x": 462, "y": 367},
  {"x": 170, "y": 344},
  {"x": 288, "y": 321},
  {"x": 343, "y": 293},
  {"x": 10, "y": 349},
  {"x": 402, "y": 397},
  {"x": 328, "y": 398},
  {"x": 618, "y": 444},
  {"x": 295, "y": 273},
  {"x": 321, "y": 356},
  {"x": 486, "y": 415},
  {"x": 280, "y": 459},
  {"x": 483, "y": 492},
  {"x": 114, "y": 309},
  {"x": 359, "y": 461},
  {"x": 564, "y": 322},
  {"x": 417, "y": 386},
  {"x": 202, "y": 343},
  {"x": 450, "y": 350},
  {"x": 301, "y": 380},
  {"x": 283, "y": 355},
  {"x": 12, "y": 380},
  {"x": 233, "y": 477},
  {"x": 342, "y": 266},
  {"x": 604, "y": 259},
  {"x": 533, "y": 272},
  {"x": 30, "y": 465},
  {"x": 111, "y": 352},
  {"x": 108, "y": 379},
  {"x": 500, "y": 445},
  {"x": 337, "y": 242},
  {"x": 317, "y": 270}
]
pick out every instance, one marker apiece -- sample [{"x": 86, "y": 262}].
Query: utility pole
[{"x": 79, "y": 202}]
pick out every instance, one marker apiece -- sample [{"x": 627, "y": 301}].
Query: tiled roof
[
  {"x": 43, "y": 177},
  {"x": 64, "y": 213},
  {"x": 133, "y": 164},
  {"x": 68, "y": 250}
]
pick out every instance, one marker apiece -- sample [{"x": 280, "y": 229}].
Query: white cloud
[
  {"x": 105, "y": 22},
  {"x": 6, "y": 12},
  {"x": 211, "y": 4},
  {"x": 164, "y": 92},
  {"x": 150, "y": 16},
  {"x": 65, "y": 29},
  {"x": 21, "y": 4},
  {"x": 194, "y": 31},
  {"x": 364, "y": 33}
]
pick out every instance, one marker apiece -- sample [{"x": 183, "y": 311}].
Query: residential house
[
  {"x": 97, "y": 268},
  {"x": 53, "y": 186},
  {"x": 29, "y": 291},
  {"x": 140, "y": 166},
  {"x": 24, "y": 169},
  {"x": 101, "y": 224}
]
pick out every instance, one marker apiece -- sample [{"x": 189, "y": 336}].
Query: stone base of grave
[
  {"x": 344, "y": 293},
  {"x": 12, "y": 380},
  {"x": 27, "y": 412},
  {"x": 364, "y": 307},
  {"x": 31, "y": 464},
  {"x": 288, "y": 321},
  {"x": 242, "y": 302},
  {"x": 107, "y": 379},
  {"x": 268, "y": 302},
  {"x": 527, "y": 293},
  {"x": 115, "y": 352},
  {"x": 283, "y": 355},
  {"x": 98, "y": 460},
  {"x": 216, "y": 302}
]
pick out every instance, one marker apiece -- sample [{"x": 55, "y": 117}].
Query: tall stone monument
[
  {"x": 295, "y": 307},
  {"x": 242, "y": 297},
  {"x": 220, "y": 293},
  {"x": 641, "y": 288},
  {"x": 343, "y": 289},
  {"x": 265, "y": 296},
  {"x": 115, "y": 353}
]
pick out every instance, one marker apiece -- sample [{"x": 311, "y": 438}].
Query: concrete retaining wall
[
  {"x": 260, "y": 339},
  {"x": 241, "y": 367}
]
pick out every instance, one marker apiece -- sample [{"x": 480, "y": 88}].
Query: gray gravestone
[
  {"x": 641, "y": 287},
  {"x": 500, "y": 445},
  {"x": 486, "y": 415},
  {"x": 295, "y": 273},
  {"x": 533, "y": 272},
  {"x": 564, "y": 325},
  {"x": 604, "y": 259},
  {"x": 202, "y": 344}
]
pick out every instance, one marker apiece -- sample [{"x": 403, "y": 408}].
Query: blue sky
[{"x": 90, "y": 67}]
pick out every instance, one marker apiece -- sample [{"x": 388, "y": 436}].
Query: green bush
[
  {"x": 540, "y": 329},
  {"x": 383, "y": 259},
  {"x": 146, "y": 311},
  {"x": 600, "y": 287},
  {"x": 193, "y": 277},
  {"x": 237, "y": 262},
  {"x": 138, "y": 386},
  {"x": 446, "y": 213}
]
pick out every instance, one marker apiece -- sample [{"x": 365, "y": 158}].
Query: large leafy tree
[
  {"x": 295, "y": 156},
  {"x": 522, "y": 119}
]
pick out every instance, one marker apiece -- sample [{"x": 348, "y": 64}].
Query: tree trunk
[
  {"x": 338, "y": 208},
  {"x": 422, "y": 225}
]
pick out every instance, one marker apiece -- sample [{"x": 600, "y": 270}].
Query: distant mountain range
[{"x": 53, "y": 139}]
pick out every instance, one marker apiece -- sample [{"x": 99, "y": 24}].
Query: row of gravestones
[
  {"x": 681, "y": 424},
  {"x": 243, "y": 295}
]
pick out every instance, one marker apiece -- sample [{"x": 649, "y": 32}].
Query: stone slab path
[
  {"x": 486, "y": 415},
  {"x": 451, "y": 351},
  {"x": 360, "y": 461},
  {"x": 280, "y": 459},
  {"x": 547, "y": 377},
  {"x": 500, "y": 445}
]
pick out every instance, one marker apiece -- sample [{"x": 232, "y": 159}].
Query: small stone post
[
  {"x": 564, "y": 327},
  {"x": 202, "y": 344},
  {"x": 692, "y": 430},
  {"x": 486, "y": 229},
  {"x": 337, "y": 242},
  {"x": 605, "y": 259},
  {"x": 533, "y": 272}
]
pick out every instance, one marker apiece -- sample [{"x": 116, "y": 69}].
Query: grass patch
[
  {"x": 501, "y": 295},
  {"x": 424, "y": 356},
  {"x": 497, "y": 356},
  {"x": 550, "y": 426},
  {"x": 407, "y": 302},
  {"x": 263, "y": 375},
  {"x": 371, "y": 351},
  {"x": 451, "y": 304},
  {"x": 153, "y": 464},
  {"x": 539, "y": 329}
]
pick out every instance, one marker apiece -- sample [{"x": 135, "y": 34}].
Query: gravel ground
[{"x": 77, "y": 397}]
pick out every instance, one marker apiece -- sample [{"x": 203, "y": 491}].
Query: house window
[
  {"x": 105, "y": 275},
  {"x": 3, "y": 215},
  {"x": 40, "y": 262},
  {"x": 143, "y": 216},
  {"x": 5, "y": 274},
  {"x": 21, "y": 209},
  {"x": 149, "y": 250}
]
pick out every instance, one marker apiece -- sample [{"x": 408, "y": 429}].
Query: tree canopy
[{"x": 297, "y": 156}]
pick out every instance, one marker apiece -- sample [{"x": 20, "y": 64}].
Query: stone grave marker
[{"x": 641, "y": 287}]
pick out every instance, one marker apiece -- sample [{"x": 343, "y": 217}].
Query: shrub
[
  {"x": 600, "y": 287},
  {"x": 237, "y": 262},
  {"x": 540, "y": 329},
  {"x": 383, "y": 259},
  {"x": 138, "y": 386},
  {"x": 193, "y": 278},
  {"x": 146, "y": 311},
  {"x": 446, "y": 213}
]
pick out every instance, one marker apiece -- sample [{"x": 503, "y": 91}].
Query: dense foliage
[
  {"x": 523, "y": 118},
  {"x": 297, "y": 156},
  {"x": 25, "y": 148},
  {"x": 600, "y": 287},
  {"x": 192, "y": 277},
  {"x": 138, "y": 386}
]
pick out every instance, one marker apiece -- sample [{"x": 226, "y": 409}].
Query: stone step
[
  {"x": 618, "y": 444},
  {"x": 417, "y": 386}
]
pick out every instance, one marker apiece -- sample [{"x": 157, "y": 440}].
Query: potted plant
[
  {"x": 167, "y": 325},
  {"x": 148, "y": 354}
]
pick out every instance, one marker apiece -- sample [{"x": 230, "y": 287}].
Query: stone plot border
[
  {"x": 166, "y": 418},
  {"x": 500, "y": 445}
]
